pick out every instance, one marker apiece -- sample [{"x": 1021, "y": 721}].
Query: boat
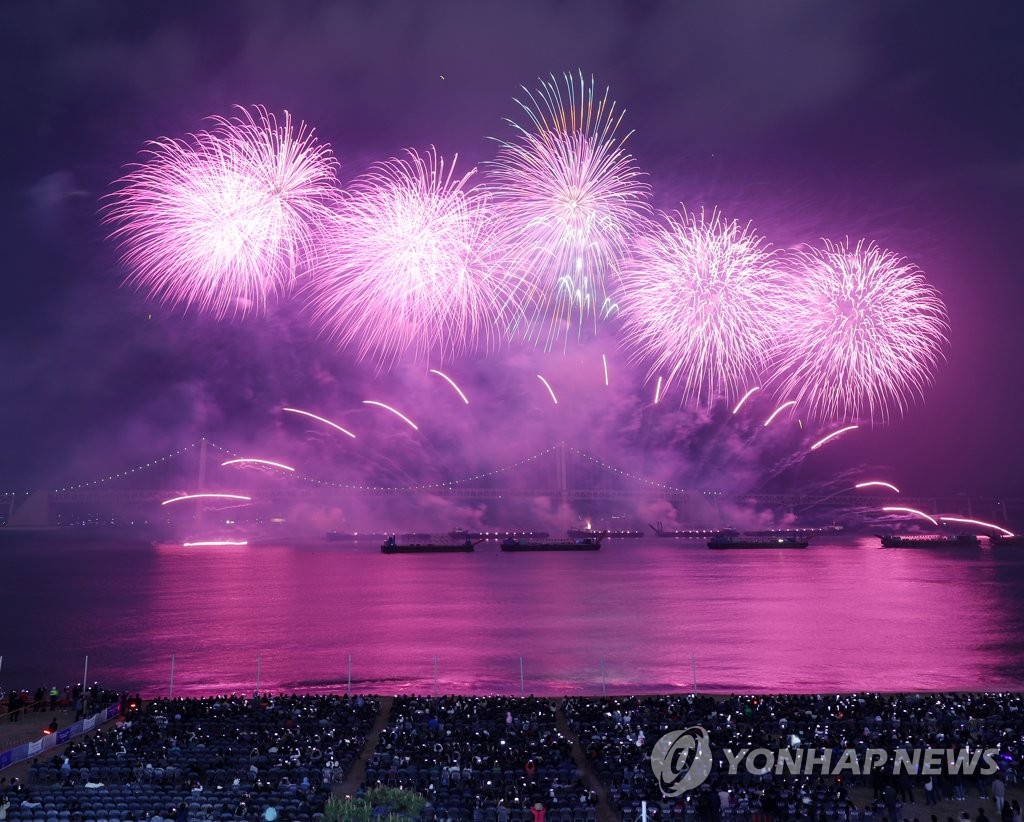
[
  {"x": 584, "y": 533},
  {"x": 928, "y": 540},
  {"x": 592, "y": 543},
  {"x": 393, "y": 546},
  {"x": 732, "y": 540},
  {"x": 1005, "y": 539}
]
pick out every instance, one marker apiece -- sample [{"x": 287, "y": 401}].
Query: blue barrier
[{"x": 37, "y": 746}]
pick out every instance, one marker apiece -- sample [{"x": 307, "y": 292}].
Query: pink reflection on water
[{"x": 845, "y": 616}]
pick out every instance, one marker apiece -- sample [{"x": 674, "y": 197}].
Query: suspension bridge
[{"x": 561, "y": 473}]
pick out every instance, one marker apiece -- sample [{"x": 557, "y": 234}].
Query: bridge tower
[
  {"x": 201, "y": 485},
  {"x": 561, "y": 478}
]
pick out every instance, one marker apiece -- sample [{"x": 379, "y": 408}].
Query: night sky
[{"x": 902, "y": 123}]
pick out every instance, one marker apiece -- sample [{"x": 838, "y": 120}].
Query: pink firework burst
[
  {"x": 569, "y": 199},
  {"x": 224, "y": 219},
  {"x": 408, "y": 265},
  {"x": 863, "y": 334},
  {"x": 700, "y": 305}
]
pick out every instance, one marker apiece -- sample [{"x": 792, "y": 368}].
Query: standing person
[
  {"x": 1015, "y": 807},
  {"x": 54, "y": 694},
  {"x": 538, "y": 813},
  {"x": 999, "y": 793}
]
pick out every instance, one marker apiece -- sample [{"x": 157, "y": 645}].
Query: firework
[
  {"x": 700, "y": 301},
  {"x": 863, "y": 332},
  {"x": 832, "y": 436},
  {"x": 744, "y": 398},
  {"x": 394, "y": 411},
  {"x": 569, "y": 200},
  {"x": 979, "y": 523},
  {"x": 313, "y": 416},
  {"x": 778, "y": 411},
  {"x": 238, "y": 497},
  {"x": 408, "y": 264},
  {"x": 212, "y": 543},
  {"x": 877, "y": 483},
  {"x": 551, "y": 391},
  {"x": 257, "y": 461},
  {"x": 451, "y": 382},
  {"x": 223, "y": 220},
  {"x": 913, "y": 511}
]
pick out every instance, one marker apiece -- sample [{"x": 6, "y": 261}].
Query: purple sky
[{"x": 901, "y": 123}]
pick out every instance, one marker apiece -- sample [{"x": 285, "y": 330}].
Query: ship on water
[
  {"x": 392, "y": 546},
  {"x": 734, "y": 540},
  {"x": 929, "y": 540},
  {"x": 591, "y": 543}
]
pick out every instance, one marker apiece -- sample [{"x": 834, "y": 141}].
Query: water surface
[{"x": 637, "y": 616}]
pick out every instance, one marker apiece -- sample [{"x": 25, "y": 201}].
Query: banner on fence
[{"x": 44, "y": 743}]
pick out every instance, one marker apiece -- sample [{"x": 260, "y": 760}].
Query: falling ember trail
[
  {"x": 832, "y": 436},
  {"x": 547, "y": 385},
  {"x": 394, "y": 411},
  {"x": 604, "y": 361},
  {"x": 319, "y": 419},
  {"x": 745, "y": 397},
  {"x": 657, "y": 392},
  {"x": 256, "y": 461},
  {"x": 207, "y": 496},
  {"x": 978, "y": 522},
  {"x": 913, "y": 511},
  {"x": 451, "y": 382},
  {"x": 879, "y": 483},
  {"x": 778, "y": 411}
]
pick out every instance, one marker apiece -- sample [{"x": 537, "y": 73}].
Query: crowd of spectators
[
  {"x": 618, "y": 734},
  {"x": 17, "y": 703},
  {"x": 482, "y": 759},
  {"x": 503, "y": 759},
  {"x": 217, "y": 758}
]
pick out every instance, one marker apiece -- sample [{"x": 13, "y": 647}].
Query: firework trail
[
  {"x": 313, "y": 416},
  {"x": 877, "y": 484},
  {"x": 979, "y": 523},
  {"x": 900, "y": 510},
  {"x": 240, "y": 497},
  {"x": 256, "y": 461},
  {"x": 832, "y": 436},
  {"x": 700, "y": 301},
  {"x": 394, "y": 411},
  {"x": 224, "y": 219},
  {"x": 863, "y": 332},
  {"x": 778, "y": 411},
  {"x": 451, "y": 382},
  {"x": 551, "y": 390},
  {"x": 408, "y": 265},
  {"x": 569, "y": 200},
  {"x": 744, "y": 398}
]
